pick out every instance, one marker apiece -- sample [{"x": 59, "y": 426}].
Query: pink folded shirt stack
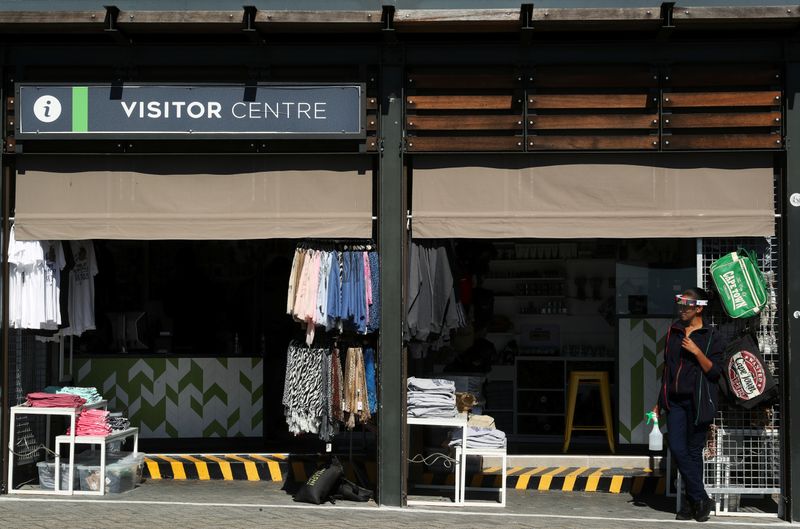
[
  {"x": 92, "y": 422},
  {"x": 55, "y": 400}
]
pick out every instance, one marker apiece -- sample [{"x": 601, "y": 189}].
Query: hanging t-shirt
[
  {"x": 26, "y": 288},
  {"x": 54, "y": 262},
  {"x": 81, "y": 288}
]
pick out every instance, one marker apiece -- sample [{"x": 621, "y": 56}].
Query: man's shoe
[
  {"x": 703, "y": 510},
  {"x": 687, "y": 511}
]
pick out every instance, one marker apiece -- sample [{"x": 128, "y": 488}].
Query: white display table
[
  {"x": 459, "y": 421},
  {"x": 72, "y": 413},
  {"x": 101, "y": 440},
  {"x": 485, "y": 452}
]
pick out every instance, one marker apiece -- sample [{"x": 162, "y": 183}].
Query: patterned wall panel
[
  {"x": 181, "y": 397},
  {"x": 641, "y": 346}
]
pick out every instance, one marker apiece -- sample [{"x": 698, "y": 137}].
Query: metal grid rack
[
  {"x": 27, "y": 373},
  {"x": 742, "y": 454}
]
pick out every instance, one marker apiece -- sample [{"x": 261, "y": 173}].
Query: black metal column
[
  {"x": 391, "y": 243},
  {"x": 791, "y": 241}
]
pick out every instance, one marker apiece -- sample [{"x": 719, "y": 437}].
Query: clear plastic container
[
  {"x": 123, "y": 472},
  {"x": 47, "y": 476}
]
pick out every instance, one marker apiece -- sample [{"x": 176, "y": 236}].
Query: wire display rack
[{"x": 742, "y": 456}]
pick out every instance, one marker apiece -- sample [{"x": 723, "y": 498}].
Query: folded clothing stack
[
  {"x": 118, "y": 423},
  {"x": 480, "y": 438},
  {"x": 91, "y": 395},
  {"x": 92, "y": 422},
  {"x": 41, "y": 399},
  {"x": 431, "y": 397}
]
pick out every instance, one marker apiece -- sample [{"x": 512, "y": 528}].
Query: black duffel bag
[{"x": 321, "y": 484}]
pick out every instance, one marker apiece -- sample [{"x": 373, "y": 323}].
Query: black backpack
[{"x": 747, "y": 381}]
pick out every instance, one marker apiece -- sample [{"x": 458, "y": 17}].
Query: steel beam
[
  {"x": 391, "y": 245},
  {"x": 791, "y": 282}
]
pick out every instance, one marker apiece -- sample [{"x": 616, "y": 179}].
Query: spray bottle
[{"x": 656, "y": 439}]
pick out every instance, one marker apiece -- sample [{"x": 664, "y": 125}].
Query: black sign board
[{"x": 55, "y": 111}]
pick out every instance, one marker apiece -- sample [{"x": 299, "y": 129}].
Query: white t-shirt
[
  {"x": 26, "y": 288},
  {"x": 81, "y": 288},
  {"x": 54, "y": 262}
]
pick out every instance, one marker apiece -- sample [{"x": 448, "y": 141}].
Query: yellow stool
[{"x": 591, "y": 377}]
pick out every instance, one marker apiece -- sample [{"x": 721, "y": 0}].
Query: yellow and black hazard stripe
[
  {"x": 575, "y": 479},
  {"x": 249, "y": 467}
]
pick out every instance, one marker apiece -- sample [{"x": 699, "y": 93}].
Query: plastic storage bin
[
  {"x": 123, "y": 472},
  {"x": 47, "y": 476}
]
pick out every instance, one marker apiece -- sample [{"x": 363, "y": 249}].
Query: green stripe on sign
[{"x": 80, "y": 109}]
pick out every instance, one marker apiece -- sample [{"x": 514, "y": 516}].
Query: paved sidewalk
[{"x": 194, "y": 504}]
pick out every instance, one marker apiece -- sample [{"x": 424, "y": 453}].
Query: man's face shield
[{"x": 685, "y": 303}]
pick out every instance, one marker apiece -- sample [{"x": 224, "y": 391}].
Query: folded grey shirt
[{"x": 431, "y": 384}]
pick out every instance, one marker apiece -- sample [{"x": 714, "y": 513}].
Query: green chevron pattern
[
  {"x": 641, "y": 343},
  {"x": 181, "y": 397}
]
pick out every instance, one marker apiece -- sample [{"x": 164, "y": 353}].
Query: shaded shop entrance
[
  {"x": 571, "y": 263},
  {"x": 192, "y": 260}
]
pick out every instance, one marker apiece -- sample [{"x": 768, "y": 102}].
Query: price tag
[
  {"x": 328, "y": 447},
  {"x": 359, "y": 406}
]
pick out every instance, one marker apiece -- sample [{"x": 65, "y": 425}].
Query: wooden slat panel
[
  {"x": 543, "y": 143},
  {"x": 596, "y": 14},
  {"x": 53, "y": 17},
  {"x": 449, "y": 20},
  {"x": 463, "y": 80},
  {"x": 317, "y": 17},
  {"x": 593, "y": 121},
  {"x": 732, "y": 119},
  {"x": 544, "y": 101},
  {"x": 721, "y": 99},
  {"x": 706, "y": 75},
  {"x": 749, "y": 14},
  {"x": 588, "y": 76},
  {"x": 181, "y": 17},
  {"x": 723, "y": 141},
  {"x": 468, "y": 143},
  {"x": 464, "y": 122},
  {"x": 461, "y": 102}
]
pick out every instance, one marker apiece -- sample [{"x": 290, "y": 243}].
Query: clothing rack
[{"x": 354, "y": 245}]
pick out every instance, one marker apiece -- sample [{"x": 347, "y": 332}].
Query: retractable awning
[
  {"x": 611, "y": 196},
  {"x": 182, "y": 197}
]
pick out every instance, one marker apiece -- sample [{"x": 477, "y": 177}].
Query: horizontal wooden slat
[
  {"x": 463, "y": 80},
  {"x": 235, "y": 17},
  {"x": 464, "y": 122},
  {"x": 450, "y": 20},
  {"x": 462, "y": 102},
  {"x": 468, "y": 143},
  {"x": 721, "y": 99},
  {"x": 721, "y": 120},
  {"x": 736, "y": 14},
  {"x": 593, "y": 121},
  {"x": 317, "y": 17},
  {"x": 707, "y": 75},
  {"x": 723, "y": 141},
  {"x": 53, "y": 17},
  {"x": 596, "y": 14},
  {"x": 590, "y": 76},
  {"x": 559, "y": 101},
  {"x": 541, "y": 143}
]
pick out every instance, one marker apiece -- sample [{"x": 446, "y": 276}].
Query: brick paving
[{"x": 193, "y": 504}]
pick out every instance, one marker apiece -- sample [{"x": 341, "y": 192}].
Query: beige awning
[
  {"x": 193, "y": 197},
  {"x": 613, "y": 196}
]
